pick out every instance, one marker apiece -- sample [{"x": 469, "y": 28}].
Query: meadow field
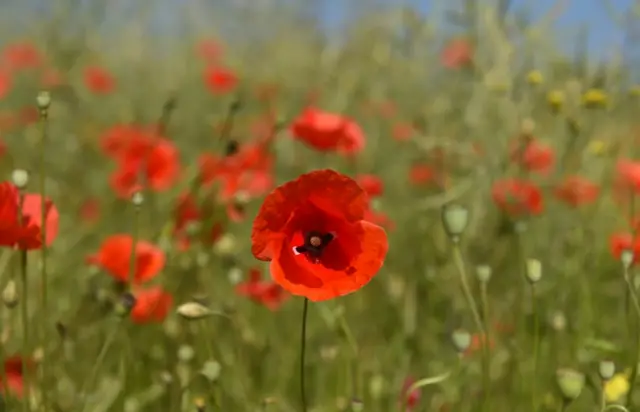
[{"x": 148, "y": 255}]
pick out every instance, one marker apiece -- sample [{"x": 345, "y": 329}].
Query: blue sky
[{"x": 603, "y": 31}]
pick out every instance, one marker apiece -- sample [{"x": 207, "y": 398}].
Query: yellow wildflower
[
  {"x": 555, "y": 99},
  {"x": 534, "y": 77},
  {"x": 597, "y": 147},
  {"x": 616, "y": 388},
  {"x": 595, "y": 98}
]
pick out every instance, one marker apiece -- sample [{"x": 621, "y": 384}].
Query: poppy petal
[
  {"x": 319, "y": 283},
  {"x": 326, "y": 189}
]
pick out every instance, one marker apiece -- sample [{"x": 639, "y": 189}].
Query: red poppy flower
[
  {"x": 533, "y": 156},
  {"x": 126, "y": 140},
  {"x": 158, "y": 168},
  {"x": 5, "y": 83},
  {"x": 619, "y": 242},
  {"x": 312, "y": 230},
  {"x": 152, "y": 305},
  {"x": 412, "y": 399},
  {"x": 326, "y": 131},
  {"x": 20, "y": 56},
  {"x": 269, "y": 294},
  {"x": 627, "y": 180},
  {"x": 457, "y": 53},
  {"x": 402, "y": 132},
  {"x": 25, "y": 231},
  {"x": 14, "y": 371},
  {"x": 371, "y": 184},
  {"x": 188, "y": 212},
  {"x": 421, "y": 175},
  {"x": 114, "y": 257},
  {"x": 220, "y": 80},
  {"x": 90, "y": 210},
  {"x": 98, "y": 80},
  {"x": 517, "y": 197},
  {"x": 576, "y": 191},
  {"x": 208, "y": 50}
]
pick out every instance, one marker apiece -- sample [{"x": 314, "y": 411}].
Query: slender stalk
[
  {"x": 353, "y": 345},
  {"x": 44, "y": 323},
  {"x": 24, "y": 316},
  {"x": 486, "y": 354},
  {"x": 303, "y": 348},
  {"x": 459, "y": 262},
  {"x": 536, "y": 343},
  {"x": 603, "y": 397},
  {"x": 98, "y": 363},
  {"x": 636, "y": 305}
]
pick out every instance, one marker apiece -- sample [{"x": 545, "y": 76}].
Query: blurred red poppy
[
  {"x": 209, "y": 50},
  {"x": 412, "y": 399},
  {"x": 312, "y": 230},
  {"x": 14, "y": 371},
  {"x": 402, "y": 132},
  {"x": 619, "y": 242},
  {"x": 627, "y": 180},
  {"x": 457, "y": 53},
  {"x": 98, "y": 80},
  {"x": 114, "y": 257},
  {"x": 220, "y": 80},
  {"x": 21, "y": 56},
  {"x": 327, "y": 131},
  {"x": 371, "y": 184},
  {"x": 24, "y": 229},
  {"x": 576, "y": 191},
  {"x": 267, "y": 293},
  {"x": 152, "y": 305},
  {"x": 517, "y": 197},
  {"x": 533, "y": 156},
  {"x": 186, "y": 213},
  {"x": 5, "y": 83}
]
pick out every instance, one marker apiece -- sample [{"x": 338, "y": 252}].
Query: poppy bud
[
  {"x": 199, "y": 403},
  {"x": 20, "y": 178},
  {"x": 125, "y": 304},
  {"x": 626, "y": 257},
  {"x": 570, "y": 383},
  {"x": 62, "y": 330},
  {"x": 193, "y": 311},
  {"x": 211, "y": 370},
  {"x": 43, "y": 100},
  {"x": 226, "y": 245},
  {"x": 461, "y": 340},
  {"x": 376, "y": 386},
  {"x": 455, "y": 219},
  {"x": 533, "y": 270},
  {"x": 558, "y": 321},
  {"x": 231, "y": 147},
  {"x": 235, "y": 275},
  {"x": 10, "y": 294},
  {"x": 483, "y": 273},
  {"x": 166, "y": 378},
  {"x": 357, "y": 405},
  {"x": 185, "y": 353},
  {"x": 606, "y": 369},
  {"x": 235, "y": 105},
  {"x": 137, "y": 198}
]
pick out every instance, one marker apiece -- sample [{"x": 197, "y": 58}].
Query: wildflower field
[{"x": 253, "y": 213}]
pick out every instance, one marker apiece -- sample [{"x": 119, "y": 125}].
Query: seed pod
[{"x": 193, "y": 311}]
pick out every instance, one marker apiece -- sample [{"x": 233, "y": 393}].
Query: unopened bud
[
  {"x": 533, "y": 270},
  {"x": 483, "y": 273},
  {"x": 461, "y": 340},
  {"x": 199, "y": 403},
  {"x": 185, "y": 353},
  {"x": 558, "y": 321},
  {"x": 570, "y": 383},
  {"x": 455, "y": 219},
  {"x": 357, "y": 405},
  {"x": 43, "y": 100},
  {"x": 626, "y": 257},
  {"x": 137, "y": 198},
  {"x": 10, "y": 294},
  {"x": 20, "y": 178},
  {"x": 606, "y": 369},
  {"x": 211, "y": 370},
  {"x": 125, "y": 304},
  {"x": 193, "y": 311}
]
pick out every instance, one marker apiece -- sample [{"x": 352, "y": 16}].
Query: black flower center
[{"x": 314, "y": 244}]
